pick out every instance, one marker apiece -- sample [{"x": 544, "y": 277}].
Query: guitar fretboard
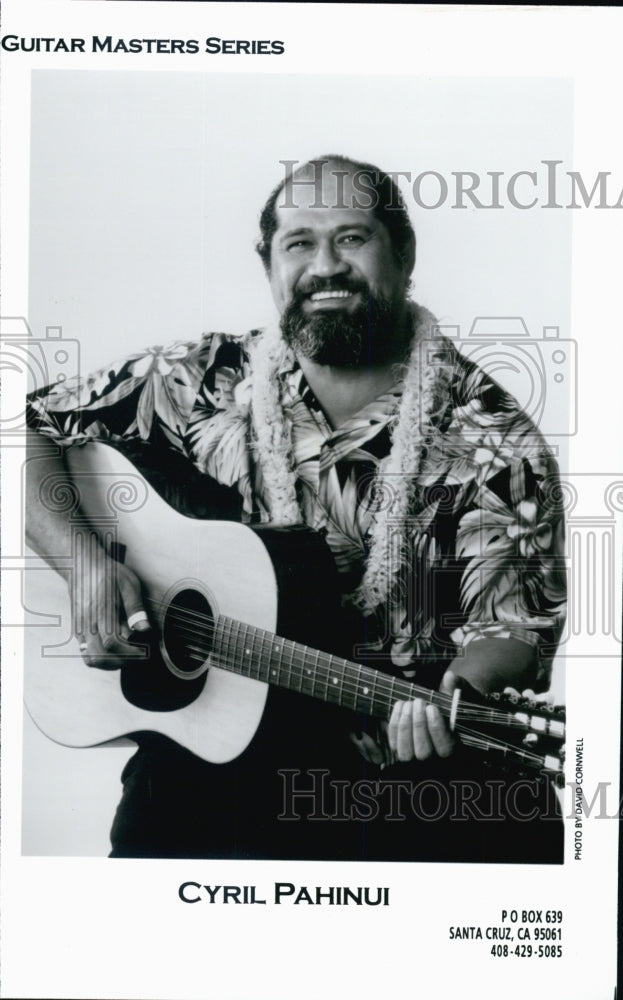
[{"x": 254, "y": 653}]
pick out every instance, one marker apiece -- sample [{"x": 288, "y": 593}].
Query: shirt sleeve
[
  {"x": 148, "y": 396},
  {"x": 510, "y": 544}
]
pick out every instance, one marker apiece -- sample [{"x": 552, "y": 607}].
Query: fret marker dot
[
  {"x": 366, "y": 690},
  {"x": 274, "y": 672},
  {"x": 277, "y": 648},
  {"x": 335, "y": 680},
  {"x": 248, "y": 652},
  {"x": 308, "y": 671}
]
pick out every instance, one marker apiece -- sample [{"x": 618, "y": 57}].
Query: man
[{"x": 431, "y": 490}]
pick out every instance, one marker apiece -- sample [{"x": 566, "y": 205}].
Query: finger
[
  {"x": 95, "y": 655},
  {"x": 404, "y": 739},
  {"x": 392, "y": 726},
  {"x": 383, "y": 741},
  {"x": 112, "y": 648},
  {"x": 132, "y": 602},
  {"x": 368, "y": 748},
  {"x": 112, "y": 629},
  {"x": 544, "y": 698},
  {"x": 442, "y": 739},
  {"x": 422, "y": 743}
]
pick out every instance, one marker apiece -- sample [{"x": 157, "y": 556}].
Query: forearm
[{"x": 48, "y": 528}]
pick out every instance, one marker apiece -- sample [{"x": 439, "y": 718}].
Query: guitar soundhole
[{"x": 187, "y": 631}]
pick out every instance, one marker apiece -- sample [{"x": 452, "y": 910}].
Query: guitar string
[
  {"x": 486, "y": 742},
  {"x": 233, "y": 628},
  {"x": 353, "y": 687},
  {"x": 476, "y": 713}
]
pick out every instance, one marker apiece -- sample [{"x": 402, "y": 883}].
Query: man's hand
[
  {"x": 417, "y": 729},
  {"x": 107, "y": 608}
]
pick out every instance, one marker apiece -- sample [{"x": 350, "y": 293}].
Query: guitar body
[
  {"x": 266, "y": 578},
  {"x": 234, "y": 610}
]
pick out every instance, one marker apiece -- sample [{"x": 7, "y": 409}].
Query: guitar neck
[{"x": 254, "y": 653}]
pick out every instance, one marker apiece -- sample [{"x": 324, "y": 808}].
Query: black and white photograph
[{"x": 306, "y": 560}]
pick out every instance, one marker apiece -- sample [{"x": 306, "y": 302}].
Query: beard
[{"x": 371, "y": 334}]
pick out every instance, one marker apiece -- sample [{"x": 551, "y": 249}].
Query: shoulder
[
  {"x": 217, "y": 349},
  {"x": 485, "y": 440},
  {"x": 482, "y": 409}
]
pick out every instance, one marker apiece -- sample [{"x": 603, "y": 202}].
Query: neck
[{"x": 342, "y": 392}]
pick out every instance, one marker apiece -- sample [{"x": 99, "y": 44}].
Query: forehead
[{"x": 326, "y": 198}]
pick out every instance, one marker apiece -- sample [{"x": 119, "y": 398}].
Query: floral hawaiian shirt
[{"x": 486, "y": 544}]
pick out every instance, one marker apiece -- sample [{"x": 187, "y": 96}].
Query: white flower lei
[{"x": 424, "y": 396}]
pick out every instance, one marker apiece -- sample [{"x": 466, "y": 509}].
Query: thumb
[
  {"x": 448, "y": 682},
  {"x": 132, "y": 601}
]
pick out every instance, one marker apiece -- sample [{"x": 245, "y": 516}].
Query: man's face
[{"x": 334, "y": 276}]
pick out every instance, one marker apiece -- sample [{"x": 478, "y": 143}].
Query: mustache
[{"x": 339, "y": 283}]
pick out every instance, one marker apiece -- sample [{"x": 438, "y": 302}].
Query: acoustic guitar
[{"x": 228, "y": 605}]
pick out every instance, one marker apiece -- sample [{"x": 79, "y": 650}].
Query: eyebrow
[{"x": 304, "y": 230}]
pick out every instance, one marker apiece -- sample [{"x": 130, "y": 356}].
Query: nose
[{"x": 327, "y": 261}]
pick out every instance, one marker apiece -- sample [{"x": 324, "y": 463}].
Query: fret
[
  {"x": 234, "y": 640},
  {"x": 367, "y": 689},
  {"x": 288, "y": 650},
  {"x": 245, "y": 650},
  {"x": 227, "y": 653},
  {"x": 317, "y": 671},
  {"x": 357, "y": 688},
  {"x": 236, "y": 659},
  {"x": 223, "y": 653},
  {"x": 255, "y": 658},
  {"x": 333, "y": 683},
  {"x": 317, "y": 684},
  {"x": 373, "y": 710},
  {"x": 217, "y": 641},
  {"x": 311, "y": 676},
  {"x": 306, "y": 681},
  {"x": 271, "y": 668},
  {"x": 263, "y": 660},
  {"x": 329, "y": 693},
  {"x": 254, "y": 666},
  {"x": 341, "y": 691},
  {"x": 278, "y": 649},
  {"x": 303, "y": 667},
  {"x": 392, "y": 696},
  {"x": 349, "y": 699}
]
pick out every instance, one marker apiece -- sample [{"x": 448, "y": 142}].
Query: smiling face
[{"x": 334, "y": 276}]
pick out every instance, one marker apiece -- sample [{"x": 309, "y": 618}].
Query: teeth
[{"x": 330, "y": 295}]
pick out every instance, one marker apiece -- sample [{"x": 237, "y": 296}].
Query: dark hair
[{"x": 386, "y": 202}]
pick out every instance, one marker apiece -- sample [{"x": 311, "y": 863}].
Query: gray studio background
[{"x": 145, "y": 194}]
